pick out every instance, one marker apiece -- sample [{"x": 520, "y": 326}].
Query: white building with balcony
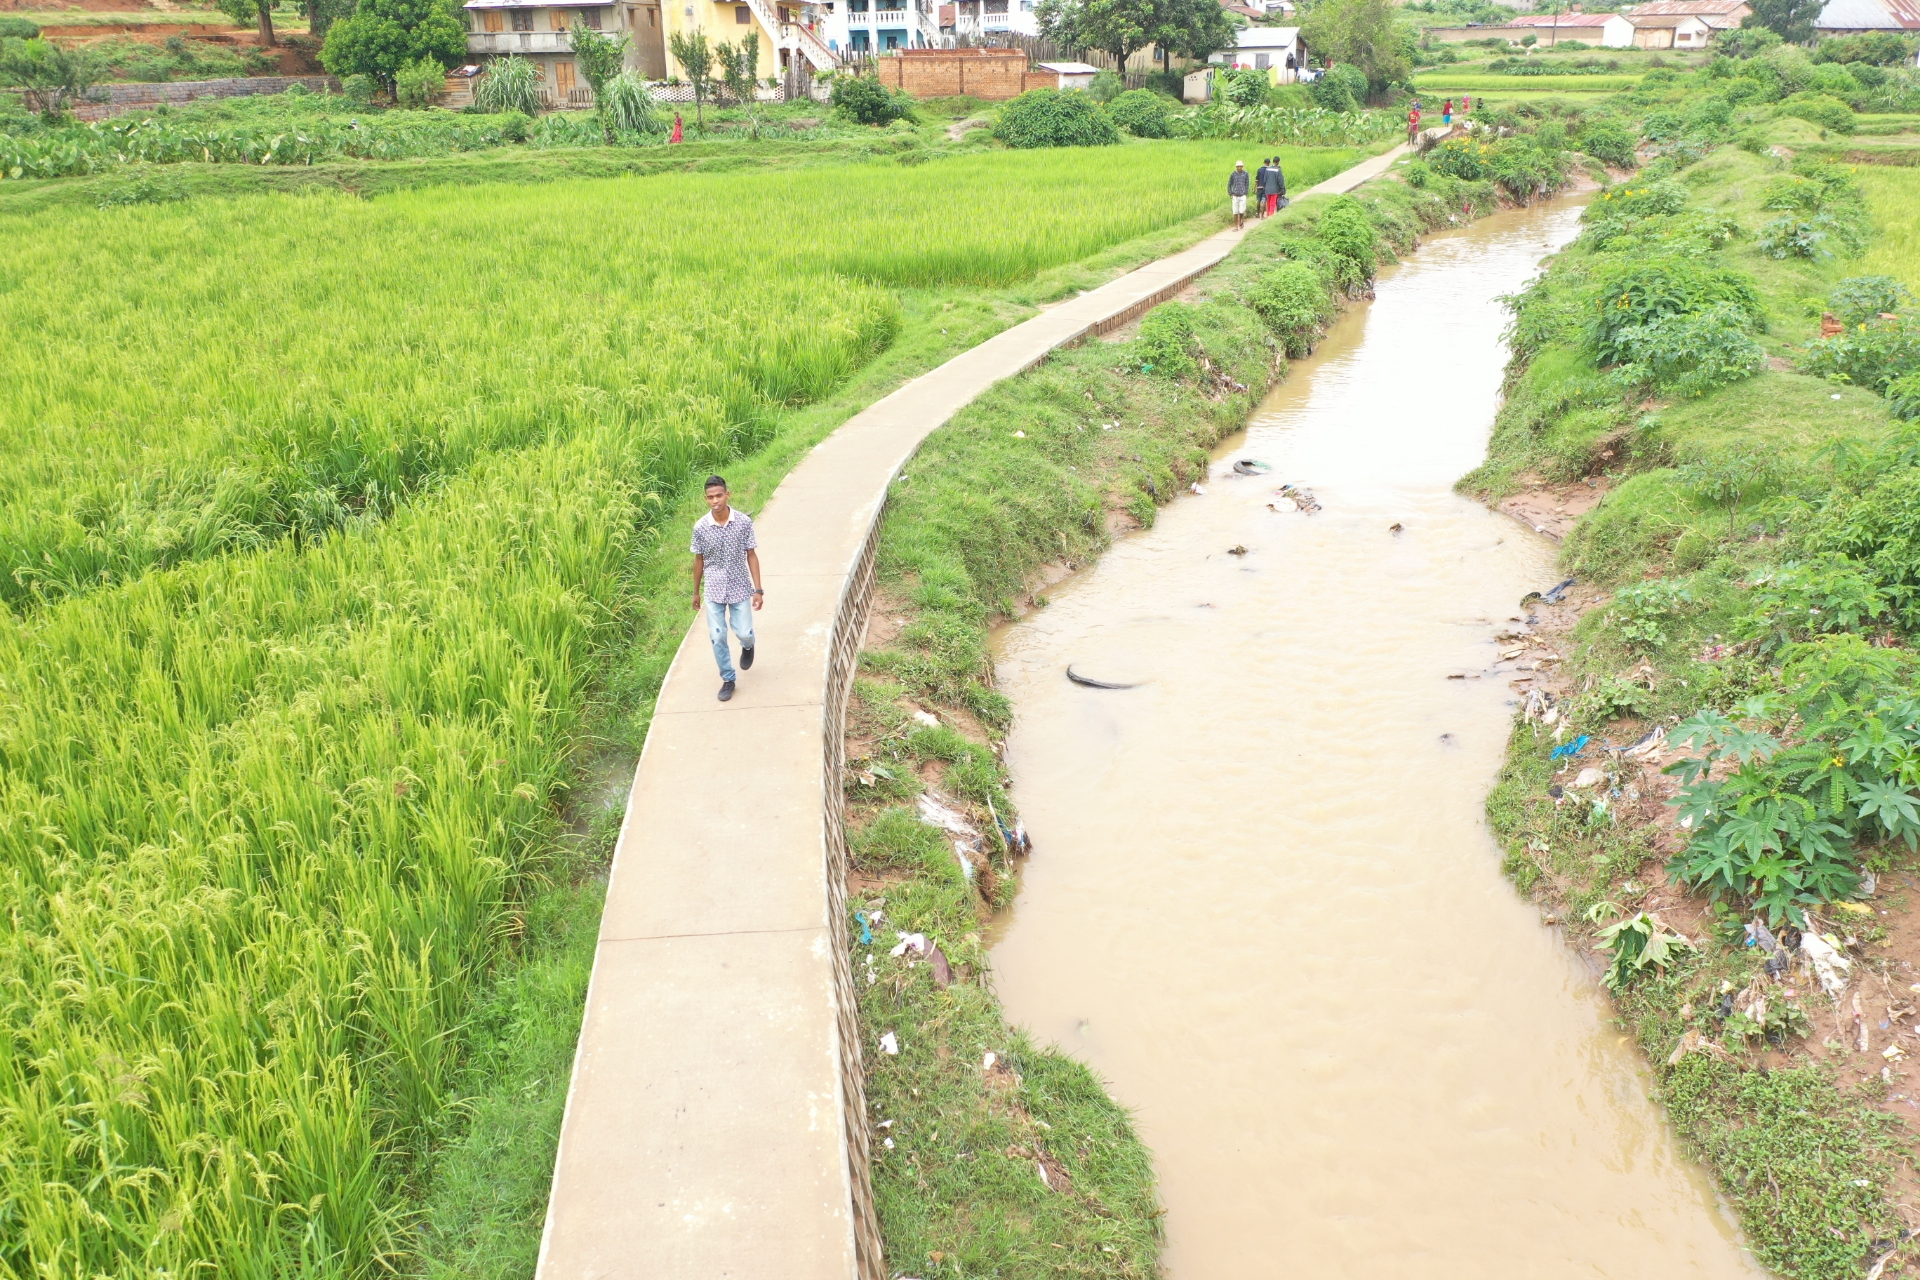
[
  {"x": 981, "y": 17},
  {"x": 877, "y": 26}
]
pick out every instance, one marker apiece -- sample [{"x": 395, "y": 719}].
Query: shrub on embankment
[
  {"x": 1041, "y": 469},
  {"x": 1755, "y": 544}
]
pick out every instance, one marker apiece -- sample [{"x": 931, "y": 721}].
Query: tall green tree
[
  {"x": 258, "y": 12},
  {"x": 695, "y": 57},
  {"x": 49, "y": 76},
  {"x": 1115, "y": 27},
  {"x": 600, "y": 58},
  {"x": 1791, "y": 20},
  {"x": 740, "y": 71},
  {"x": 1359, "y": 33},
  {"x": 1192, "y": 29},
  {"x": 384, "y": 35},
  {"x": 322, "y": 14}
]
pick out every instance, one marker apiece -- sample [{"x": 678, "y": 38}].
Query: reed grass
[{"x": 276, "y": 790}]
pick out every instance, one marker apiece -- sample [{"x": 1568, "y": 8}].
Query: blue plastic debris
[
  {"x": 1569, "y": 749},
  {"x": 866, "y": 934}
]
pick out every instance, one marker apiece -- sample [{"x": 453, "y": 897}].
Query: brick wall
[
  {"x": 122, "y": 98},
  {"x": 992, "y": 74}
]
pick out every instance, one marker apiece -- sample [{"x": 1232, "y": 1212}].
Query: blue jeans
[{"x": 719, "y": 617}]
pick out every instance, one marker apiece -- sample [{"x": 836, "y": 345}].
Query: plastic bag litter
[
  {"x": 1301, "y": 497},
  {"x": 1651, "y": 742},
  {"x": 889, "y": 1043},
  {"x": 1197, "y": 491},
  {"x": 1568, "y": 750},
  {"x": 1829, "y": 967},
  {"x": 966, "y": 863},
  {"x": 917, "y": 942},
  {"x": 927, "y": 718},
  {"x": 1552, "y": 595},
  {"x": 935, "y": 812},
  {"x": 1590, "y": 777}
]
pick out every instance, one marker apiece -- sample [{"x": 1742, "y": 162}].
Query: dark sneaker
[
  {"x": 746, "y": 658},
  {"x": 726, "y": 691}
]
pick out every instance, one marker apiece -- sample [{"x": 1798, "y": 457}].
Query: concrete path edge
[{"x": 716, "y": 1121}]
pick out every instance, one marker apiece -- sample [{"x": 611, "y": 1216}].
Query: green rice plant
[{"x": 188, "y": 410}]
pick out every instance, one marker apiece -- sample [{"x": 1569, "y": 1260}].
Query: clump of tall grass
[{"x": 511, "y": 84}]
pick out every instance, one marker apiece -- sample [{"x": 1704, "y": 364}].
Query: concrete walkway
[{"x": 716, "y": 1123}]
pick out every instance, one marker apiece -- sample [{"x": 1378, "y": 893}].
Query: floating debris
[
  {"x": 1091, "y": 683},
  {"x": 1236, "y": 551},
  {"x": 1300, "y": 497},
  {"x": 1553, "y": 595},
  {"x": 1250, "y": 467}
]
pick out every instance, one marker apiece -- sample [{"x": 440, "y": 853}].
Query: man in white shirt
[{"x": 726, "y": 561}]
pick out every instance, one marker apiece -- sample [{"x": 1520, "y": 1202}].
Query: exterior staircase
[{"x": 791, "y": 35}]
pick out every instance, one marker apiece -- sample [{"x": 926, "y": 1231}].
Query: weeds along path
[
  {"x": 322, "y": 519},
  {"x": 717, "y": 1108}
]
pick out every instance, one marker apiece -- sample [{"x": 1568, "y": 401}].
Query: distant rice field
[
  {"x": 1435, "y": 81},
  {"x": 1894, "y": 194},
  {"x": 319, "y": 520}
]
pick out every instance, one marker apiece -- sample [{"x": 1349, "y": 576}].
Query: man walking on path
[
  {"x": 1273, "y": 186},
  {"x": 1413, "y": 124},
  {"x": 726, "y": 562},
  {"x": 1260, "y": 187},
  {"x": 1237, "y": 184}
]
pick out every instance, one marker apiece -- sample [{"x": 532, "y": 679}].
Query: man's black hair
[{"x": 715, "y": 480}]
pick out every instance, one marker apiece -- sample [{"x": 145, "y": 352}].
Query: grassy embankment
[
  {"x": 1041, "y": 470},
  {"x": 1754, "y": 580},
  {"x": 323, "y": 584}
]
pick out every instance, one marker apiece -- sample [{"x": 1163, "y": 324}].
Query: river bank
[
  {"x": 1706, "y": 786},
  {"x": 1000, "y": 1156}
]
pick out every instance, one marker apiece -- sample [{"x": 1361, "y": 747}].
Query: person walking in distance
[
  {"x": 1413, "y": 124},
  {"x": 1237, "y": 184},
  {"x": 727, "y": 563},
  {"x": 1274, "y": 188},
  {"x": 1260, "y": 187}
]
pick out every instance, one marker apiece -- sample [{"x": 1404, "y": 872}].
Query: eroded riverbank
[{"x": 1265, "y": 905}]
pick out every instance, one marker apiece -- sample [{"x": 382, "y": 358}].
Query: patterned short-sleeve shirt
[{"x": 724, "y": 549}]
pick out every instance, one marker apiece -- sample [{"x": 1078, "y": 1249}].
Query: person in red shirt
[
  {"x": 1446, "y": 112},
  {"x": 1413, "y": 123}
]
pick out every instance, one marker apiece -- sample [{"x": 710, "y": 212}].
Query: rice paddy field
[
  {"x": 1893, "y": 192},
  {"x": 322, "y": 517},
  {"x": 1437, "y": 80}
]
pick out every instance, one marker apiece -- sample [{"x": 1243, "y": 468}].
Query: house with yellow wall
[
  {"x": 542, "y": 33},
  {"x": 786, "y": 30}
]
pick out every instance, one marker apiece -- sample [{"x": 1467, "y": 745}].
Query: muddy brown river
[{"x": 1264, "y": 904}]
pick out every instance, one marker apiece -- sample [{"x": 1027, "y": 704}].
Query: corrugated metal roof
[
  {"x": 1700, "y": 7},
  {"x": 1869, "y": 15},
  {"x": 1564, "y": 20},
  {"x": 1070, "y": 68},
  {"x": 1661, "y": 20},
  {"x": 537, "y": 4},
  {"x": 1268, "y": 37}
]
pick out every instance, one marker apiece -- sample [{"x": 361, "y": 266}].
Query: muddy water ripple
[{"x": 1264, "y": 903}]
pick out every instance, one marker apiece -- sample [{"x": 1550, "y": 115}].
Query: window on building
[
  {"x": 743, "y": 15},
  {"x": 859, "y": 41},
  {"x": 856, "y": 6},
  {"x": 996, "y": 6},
  {"x": 523, "y": 19},
  {"x": 559, "y": 17},
  {"x": 890, "y": 40},
  {"x": 1259, "y": 62},
  {"x": 590, "y": 19},
  {"x": 490, "y": 20}
]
